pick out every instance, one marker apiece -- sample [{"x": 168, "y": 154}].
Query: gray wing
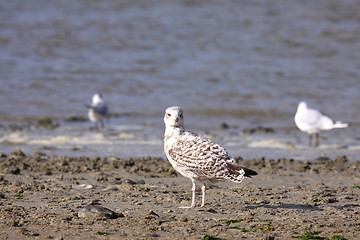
[{"x": 101, "y": 109}]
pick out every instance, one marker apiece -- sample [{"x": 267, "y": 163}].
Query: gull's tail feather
[
  {"x": 249, "y": 172},
  {"x": 340, "y": 125},
  {"x": 239, "y": 172}
]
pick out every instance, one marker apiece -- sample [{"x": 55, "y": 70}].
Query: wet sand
[{"x": 41, "y": 197}]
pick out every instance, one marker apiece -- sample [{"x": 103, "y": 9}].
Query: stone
[{"x": 98, "y": 212}]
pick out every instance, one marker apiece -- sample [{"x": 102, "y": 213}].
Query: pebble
[
  {"x": 84, "y": 186},
  {"x": 131, "y": 182},
  {"x": 39, "y": 154},
  {"x": 117, "y": 182},
  {"x": 110, "y": 188},
  {"x": 18, "y": 153},
  {"x": 140, "y": 182},
  {"x": 128, "y": 181},
  {"x": 14, "y": 170},
  {"x": 269, "y": 238},
  {"x": 97, "y": 212}
]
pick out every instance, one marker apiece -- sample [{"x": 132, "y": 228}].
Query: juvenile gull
[
  {"x": 312, "y": 122},
  {"x": 198, "y": 158},
  {"x": 98, "y": 110}
]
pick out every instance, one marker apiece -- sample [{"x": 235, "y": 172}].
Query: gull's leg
[
  {"x": 102, "y": 125},
  {"x": 310, "y": 139},
  {"x": 317, "y": 139},
  {"x": 203, "y": 190},
  {"x": 193, "y": 195}
]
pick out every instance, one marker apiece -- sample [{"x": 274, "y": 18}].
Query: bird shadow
[{"x": 307, "y": 207}]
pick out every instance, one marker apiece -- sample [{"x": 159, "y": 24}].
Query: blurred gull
[
  {"x": 312, "y": 122},
  {"x": 98, "y": 110}
]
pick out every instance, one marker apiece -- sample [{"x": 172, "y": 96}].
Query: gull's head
[
  {"x": 174, "y": 117},
  {"x": 302, "y": 106},
  {"x": 97, "y": 98}
]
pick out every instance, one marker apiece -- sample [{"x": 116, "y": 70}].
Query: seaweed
[
  {"x": 309, "y": 235},
  {"x": 228, "y": 222},
  {"x": 208, "y": 237},
  {"x": 103, "y": 233}
]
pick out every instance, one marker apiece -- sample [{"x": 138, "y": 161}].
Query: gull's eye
[{"x": 168, "y": 115}]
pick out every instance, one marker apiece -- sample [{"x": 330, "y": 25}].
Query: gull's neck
[{"x": 173, "y": 131}]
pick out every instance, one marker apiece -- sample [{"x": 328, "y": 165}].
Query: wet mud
[{"x": 58, "y": 197}]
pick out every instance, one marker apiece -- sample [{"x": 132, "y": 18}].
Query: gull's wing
[
  {"x": 310, "y": 117},
  {"x": 101, "y": 109},
  {"x": 205, "y": 159}
]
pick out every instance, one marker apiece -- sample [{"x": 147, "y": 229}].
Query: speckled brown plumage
[{"x": 198, "y": 158}]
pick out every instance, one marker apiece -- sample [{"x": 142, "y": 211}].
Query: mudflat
[{"x": 58, "y": 197}]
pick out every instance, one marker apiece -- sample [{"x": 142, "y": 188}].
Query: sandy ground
[{"x": 44, "y": 197}]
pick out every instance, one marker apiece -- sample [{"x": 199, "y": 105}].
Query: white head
[
  {"x": 174, "y": 117},
  {"x": 302, "y": 106},
  {"x": 97, "y": 98}
]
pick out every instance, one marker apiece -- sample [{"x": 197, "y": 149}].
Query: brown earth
[{"x": 41, "y": 197}]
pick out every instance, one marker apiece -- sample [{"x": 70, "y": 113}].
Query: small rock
[
  {"x": 341, "y": 160},
  {"x": 65, "y": 163},
  {"x": 95, "y": 202},
  {"x": 18, "y": 153},
  {"x": 128, "y": 181},
  {"x": 269, "y": 238},
  {"x": 262, "y": 201},
  {"x": 211, "y": 210},
  {"x": 110, "y": 188},
  {"x": 140, "y": 182},
  {"x": 39, "y": 154},
  {"x": 97, "y": 212},
  {"x": 131, "y": 182},
  {"x": 84, "y": 186},
  {"x": 331, "y": 200},
  {"x": 3, "y": 155},
  {"x": 29, "y": 233},
  {"x": 14, "y": 170}
]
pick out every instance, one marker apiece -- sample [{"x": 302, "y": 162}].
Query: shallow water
[{"x": 244, "y": 63}]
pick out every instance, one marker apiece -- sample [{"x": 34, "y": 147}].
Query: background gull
[
  {"x": 98, "y": 110},
  {"x": 198, "y": 158},
  {"x": 312, "y": 122}
]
